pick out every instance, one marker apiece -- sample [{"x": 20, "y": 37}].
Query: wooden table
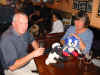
[{"x": 71, "y": 67}]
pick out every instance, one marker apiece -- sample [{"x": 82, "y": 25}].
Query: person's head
[
  {"x": 55, "y": 17},
  {"x": 81, "y": 20},
  {"x": 42, "y": 5},
  {"x": 20, "y": 23},
  {"x": 18, "y": 5},
  {"x": 37, "y": 12}
]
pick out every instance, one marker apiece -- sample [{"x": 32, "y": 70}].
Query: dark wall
[
  {"x": 96, "y": 42},
  {"x": 6, "y": 14}
]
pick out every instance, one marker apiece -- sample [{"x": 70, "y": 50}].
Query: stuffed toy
[
  {"x": 55, "y": 54},
  {"x": 70, "y": 46},
  {"x": 59, "y": 53}
]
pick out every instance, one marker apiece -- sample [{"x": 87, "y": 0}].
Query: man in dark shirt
[{"x": 13, "y": 48}]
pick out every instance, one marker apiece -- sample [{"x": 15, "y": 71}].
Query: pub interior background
[{"x": 65, "y": 8}]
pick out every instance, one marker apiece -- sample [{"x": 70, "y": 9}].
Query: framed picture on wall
[
  {"x": 83, "y": 5},
  {"x": 75, "y": 4},
  {"x": 89, "y": 8}
]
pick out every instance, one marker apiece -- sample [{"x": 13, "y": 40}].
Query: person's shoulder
[
  {"x": 59, "y": 21},
  {"x": 27, "y": 33},
  {"x": 6, "y": 35},
  {"x": 90, "y": 32},
  {"x": 72, "y": 27}
]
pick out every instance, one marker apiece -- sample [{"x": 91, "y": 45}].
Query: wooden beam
[{"x": 94, "y": 18}]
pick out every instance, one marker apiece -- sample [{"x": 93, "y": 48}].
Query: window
[{"x": 85, "y": 5}]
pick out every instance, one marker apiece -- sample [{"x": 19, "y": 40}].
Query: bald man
[{"x": 13, "y": 48}]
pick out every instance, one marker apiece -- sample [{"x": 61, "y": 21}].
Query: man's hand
[{"x": 38, "y": 52}]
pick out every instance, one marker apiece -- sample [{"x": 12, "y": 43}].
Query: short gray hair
[{"x": 18, "y": 13}]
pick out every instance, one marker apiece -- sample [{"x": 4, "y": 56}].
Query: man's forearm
[{"x": 21, "y": 62}]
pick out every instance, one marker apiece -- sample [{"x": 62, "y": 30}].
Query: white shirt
[{"x": 57, "y": 27}]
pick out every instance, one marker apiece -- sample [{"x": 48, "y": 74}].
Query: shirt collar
[{"x": 13, "y": 31}]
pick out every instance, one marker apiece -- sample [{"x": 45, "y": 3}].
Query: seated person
[
  {"x": 28, "y": 6},
  {"x": 35, "y": 18},
  {"x": 81, "y": 32},
  {"x": 57, "y": 26},
  {"x": 14, "y": 45}
]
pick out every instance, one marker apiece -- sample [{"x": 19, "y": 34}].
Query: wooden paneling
[
  {"x": 3, "y": 2},
  {"x": 95, "y": 19},
  {"x": 64, "y": 5}
]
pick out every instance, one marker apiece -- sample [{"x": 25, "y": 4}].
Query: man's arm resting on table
[{"x": 22, "y": 61}]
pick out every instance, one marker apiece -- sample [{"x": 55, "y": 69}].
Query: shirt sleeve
[
  {"x": 29, "y": 38},
  {"x": 8, "y": 53},
  {"x": 88, "y": 40},
  {"x": 67, "y": 33}
]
